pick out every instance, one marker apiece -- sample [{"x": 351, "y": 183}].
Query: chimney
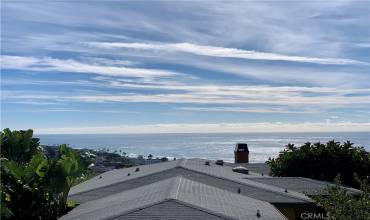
[{"x": 241, "y": 153}]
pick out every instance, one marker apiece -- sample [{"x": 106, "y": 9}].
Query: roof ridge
[
  {"x": 182, "y": 162},
  {"x": 175, "y": 187},
  {"x": 118, "y": 182},
  {"x": 178, "y": 188},
  {"x": 182, "y": 201}
]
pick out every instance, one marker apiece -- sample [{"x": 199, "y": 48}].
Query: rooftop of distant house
[{"x": 193, "y": 188}]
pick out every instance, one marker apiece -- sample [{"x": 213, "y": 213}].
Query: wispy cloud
[
  {"x": 215, "y": 94},
  {"x": 56, "y": 110},
  {"x": 211, "y": 128},
  {"x": 189, "y": 58},
  {"x": 262, "y": 110},
  {"x": 70, "y": 65},
  {"x": 222, "y": 52}
]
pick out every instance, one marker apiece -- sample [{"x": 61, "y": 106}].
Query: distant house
[{"x": 195, "y": 189}]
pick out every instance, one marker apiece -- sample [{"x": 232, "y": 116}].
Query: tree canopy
[
  {"x": 323, "y": 162},
  {"x": 340, "y": 205},
  {"x": 34, "y": 186}
]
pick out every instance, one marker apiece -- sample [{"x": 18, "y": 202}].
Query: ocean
[{"x": 210, "y": 146}]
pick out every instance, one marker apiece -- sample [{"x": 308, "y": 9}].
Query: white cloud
[
  {"x": 222, "y": 52},
  {"x": 40, "y": 110},
  {"x": 211, "y": 128},
  {"x": 216, "y": 34},
  {"x": 203, "y": 98},
  {"x": 69, "y": 65},
  {"x": 323, "y": 98},
  {"x": 266, "y": 109}
]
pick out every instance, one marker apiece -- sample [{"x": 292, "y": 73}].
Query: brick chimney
[{"x": 241, "y": 153}]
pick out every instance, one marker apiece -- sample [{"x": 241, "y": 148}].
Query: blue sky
[{"x": 163, "y": 66}]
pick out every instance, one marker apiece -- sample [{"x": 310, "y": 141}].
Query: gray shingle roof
[
  {"x": 170, "y": 210},
  {"x": 225, "y": 172},
  {"x": 119, "y": 175},
  {"x": 218, "y": 176},
  {"x": 300, "y": 184},
  {"x": 195, "y": 195}
]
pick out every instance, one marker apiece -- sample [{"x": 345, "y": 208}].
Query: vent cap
[
  {"x": 219, "y": 162},
  {"x": 241, "y": 169}
]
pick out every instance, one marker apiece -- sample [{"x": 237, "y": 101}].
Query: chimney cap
[{"x": 241, "y": 147}]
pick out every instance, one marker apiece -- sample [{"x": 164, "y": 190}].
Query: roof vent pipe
[
  {"x": 258, "y": 213},
  {"x": 219, "y": 162}
]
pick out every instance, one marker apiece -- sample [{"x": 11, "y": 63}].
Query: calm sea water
[{"x": 211, "y": 146}]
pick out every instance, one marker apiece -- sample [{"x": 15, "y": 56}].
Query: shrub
[
  {"x": 341, "y": 206},
  {"x": 32, "y": 185},
  {"x": 323, "y": 162}
]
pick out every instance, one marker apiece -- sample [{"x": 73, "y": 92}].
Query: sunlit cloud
[{"x": 214, "y": 51}]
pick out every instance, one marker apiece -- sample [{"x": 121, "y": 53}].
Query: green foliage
[
  {"x": 342, "y": 206},
  {"x": 18, "y": 146},
  {"x": 32, "y": 185},
  {"x": 323, "y": 162}
]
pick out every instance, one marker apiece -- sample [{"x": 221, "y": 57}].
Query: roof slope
[
  {"x": 226, "y": 172},
  {"x": 195, "y": 195},
  {"x": 218, "y": 176},
  {"x": 124, "y": 174},
  {"x": 301, "y": 184},
  {"x": 169, "y": 210}
]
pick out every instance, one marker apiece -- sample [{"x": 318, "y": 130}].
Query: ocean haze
[{"x": 210, "y": 146}]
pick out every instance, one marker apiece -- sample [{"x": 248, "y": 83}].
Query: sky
[{"x": 185, "y": 66}]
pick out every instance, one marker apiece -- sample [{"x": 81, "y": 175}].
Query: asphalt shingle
[
  {"x": 215, "y": 175},
  {"x": 195, "y": 195},
  {"x": 301, "y": 184}
]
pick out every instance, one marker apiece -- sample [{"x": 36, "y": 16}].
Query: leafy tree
[
  {"x": 323, "y": 162},
  {"x": 342, "y": 206},
  {"x": 32, "y": 185},
  {"x": 18, "y": 146}
]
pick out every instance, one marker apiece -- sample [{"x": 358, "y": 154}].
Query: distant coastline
[
  {"x": 105, "y": 160},
  {"x": 210, "y": 146}
]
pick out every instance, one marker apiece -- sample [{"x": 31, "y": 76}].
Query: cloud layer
[
  {"x": 185, "y": 66},
  {"x": 49, "y": 64},
  {"x": 211, "y": 128},
  {"x": 223, "y": 52}
]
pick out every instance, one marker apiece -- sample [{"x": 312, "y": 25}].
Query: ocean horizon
[{"x": 201, "y": 145}]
